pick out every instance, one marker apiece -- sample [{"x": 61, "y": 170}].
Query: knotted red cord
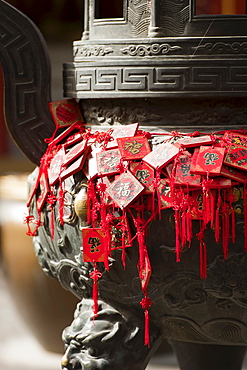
[
  {"x": 146, "y": 303},
  {"x": 95, "y": 275}
]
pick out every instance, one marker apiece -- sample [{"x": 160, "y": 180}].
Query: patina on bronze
[{"x": 161, "y": 65}]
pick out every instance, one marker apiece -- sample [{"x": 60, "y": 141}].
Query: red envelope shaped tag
[
  {"x": 237, "y": 157},
  {"x": 144, "y": 174},
  {"x": 197, "y": 207},
  {"x": 145, "y": 273},
  {"x": 183, "y": 175},
  {"x": 44, "y": 190},
  {"x": 219, "y": 182},
  {"x": 235, "y": 139},
  {"x": 122, "y": 131},
  {"x": 75, "y": 152},
  {"x": 65, "y": 112},
  {"x": 73, "y": 139},
  {"x": 93, "y": 245},
  {"x": 33, "y": 190},
  {"x": 234, "y": 173},
  {"x": 55, "y": 167},
  {"x": 161, "y": 155},
  {"x": 135, "y": 147},
  {"x": 189, "y": 142},
  {"x": 74, "y": 129},
  {"x": 90, "y": 167},
  {"x": 124, "y": 189},
  {"x": 209, "y": 160},
  {"x": 74, "y": 167},
  {"x": 164, "y": 194},
  {"x": 117, "y": 234},
  {"x": 194, "y": 160},
  {"x": 107, "y": 161}
]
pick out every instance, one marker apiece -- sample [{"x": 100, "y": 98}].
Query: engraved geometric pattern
[
  {"x": 155, "y": 81},
  {"x": 27, "y": 82}
]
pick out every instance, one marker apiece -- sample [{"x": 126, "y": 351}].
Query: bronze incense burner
[{"x": 162, "y": 65}]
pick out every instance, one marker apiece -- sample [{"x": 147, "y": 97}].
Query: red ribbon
[{"x": 203, "y": 253}]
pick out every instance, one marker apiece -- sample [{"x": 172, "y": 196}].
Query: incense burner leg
[
  {"x": 109, "y": 341},
  {"x": 194, "y": 356}
]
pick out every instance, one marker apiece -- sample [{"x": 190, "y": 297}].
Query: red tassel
[
  {"x": 203, "y": 254},
  {"x": 212, "y": 209},
  {"x": 183, "y": 229},
  {"x": 146, "y": 303},
  {"x": 177, "y": 231},
  {"x": 206, "y": 207},
  {"x": 233, "y": 225},
  {"x": 95, "y": 275},
  {"x": 123, "y": 240},
  {"x": 225, "y": 227},
  {"x": 231, "y": 199},
  {"x": 51, "y": 200},
  {"x": 156, "y": 184},
  {"x": 245, "y": 218},
  {"x": 189, "y": 226},
  {"x": 217, "y": 219},
  {"x": 141, "y": 241},
  {"x": 61, "y": 204}
]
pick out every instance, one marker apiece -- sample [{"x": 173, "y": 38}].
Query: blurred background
[{"x": 34, "y": 309}]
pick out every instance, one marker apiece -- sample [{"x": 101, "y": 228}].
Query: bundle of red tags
[{"x": 129, "y": 176}]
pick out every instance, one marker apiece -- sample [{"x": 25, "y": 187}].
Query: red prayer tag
[
  {"x": 55, "y": 167},
  {"x": 197, "y": 207},
  {"x": 122, "y": 131},
  {"x": 168, "y": 170},
  {"x": 73, "y": 139},
  {"x": 145, "y": 273},
  {"x": 189, "y": 142},
  {"x": 219, "y": 182},
  {"x": 65, "y": 112},
  {"x": 74, "y": 167},
  {"x": 125, "y": 189},
  {"x": 233, "y": 173},
  {"x": 164, "y": 193},
  {"x": 183, "y": 175},
  {"x": 144, "y": 174},
  {"x": 135, "y": 147},
  {"x": 194, "y": 160},
  {"x": 67, "y": 134},
  {"x": 107, "y": 161},
  {"x": 75, "y": 152},
  {"x": 237, "y": 157},
  {"x": 90, "y": 168},
  {"x": 117, "y": 234},
  {"x": 93, "y": 245},
  {"x": 33, "y": 190},
  {"x": 161, "y": 155},
  {"x": 44, "y": 190},
  {"x": 235, "y": 139},
  {"x": 209, "y": 160}
]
